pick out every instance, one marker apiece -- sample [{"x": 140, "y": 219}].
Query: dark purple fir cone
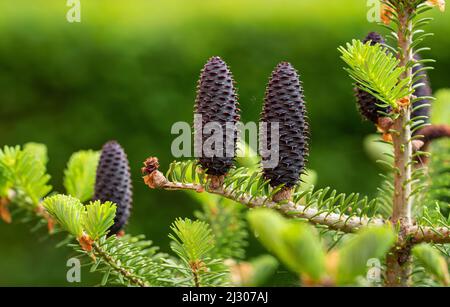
[
  {"x": 217, "y": 102},
  {"x": 374, "y": 38},
  {"x": 284, "y": 104},
  {"x": 113, "y": 183},
  {"x": 370, "y": 107}
]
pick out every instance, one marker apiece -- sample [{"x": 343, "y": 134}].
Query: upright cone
[
  {"x": 113, "y": 183},
  {"x": 218, "y": 106},
  {"x": 284, "y": 104}
]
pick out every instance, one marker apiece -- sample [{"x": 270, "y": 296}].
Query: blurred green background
[{"x": 128, "y": 71}]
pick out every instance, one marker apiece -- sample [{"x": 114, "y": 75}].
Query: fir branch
[
  {"x": 193, "y": 242},
  {"x": 23, "y": 184},
  {"x": 376, "y": 71},
  {"x": 429, "y": 234},
  {"x": 130, "y": 259},
  {"x": 321, "y": 207},
  {"x": 25, "y": 173},
  {"x": 227, "y": 221},
  {"x": 79, "y": 176},
  {"x": 404, "y": 16},
  {"x": 116, "y": 265},
  {"x": 438, "y": 178},
  {"x": 433, "y": 261}
]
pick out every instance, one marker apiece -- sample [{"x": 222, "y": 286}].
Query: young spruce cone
[
  {"x": 113, "y": 183},
  {"x": 217, "y": 103},
  {"x": 369, "y": 106},
  {"x": 284, "y": 104}
]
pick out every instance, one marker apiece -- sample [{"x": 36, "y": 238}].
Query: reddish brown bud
[{"x": 150, "y": 165}]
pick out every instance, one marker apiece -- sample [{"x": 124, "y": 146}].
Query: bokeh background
[{"x": 128, "y": 71}]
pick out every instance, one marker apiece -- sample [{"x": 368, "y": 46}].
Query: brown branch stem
[
  {"x": 438, "y": 235},
  {"x": 333, "y": 221},
  {"x": 398, "y": 261},
  {"x": 340, "y": 222}
]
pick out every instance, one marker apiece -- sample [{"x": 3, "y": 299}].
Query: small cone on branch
[
  {"x": 284, "y": 104},
  {"x": 217, "y": 103},
  {"x": 374, "y": 38},
  {"x": 113, "y": 183},
  {"x": 370, "y": 107}
]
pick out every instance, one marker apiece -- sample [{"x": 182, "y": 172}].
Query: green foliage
[
  {"x": 354, "y": 254},
  {"x": 385, "y": 194},
  {"x": 440, "y": 113},
  {"x": 382, "y": 153},
  {"x": 303, "y": 243},
  {"x": 243, "y": 182},
  {"x": 98, "y": 218},
  {"x": 93, "y": 219},
  {"x": 295, "y": 243},
  {"x": 438, "y": 177},
  {"x": 262, "y": 268},
  {"x": 298, "y": 246},
  {"x": 128, "y": 261},
  {"x": 38, "y": 150},
  {"x": 378, "y": 150},
  {"x": 84, "y": 92},
  {"x": 8, "y": 159},
  {"x": 25, "y": 171},
  {"x": 5, "y": 182},
  {"x": 253, "y": 273},
  {"x": 434, "y": 209},
  {"x": 376, "y": 71},
  {"x": 79, "y": 176},
  {"x": 193, "y": 241},
  {"x": 260, "y": 220},
  {"x": 227, "y": 221},
  {"x": 68, "y": 211},
  {"x": 433, "y": 262},
  {"x": 247, "y": 156}
]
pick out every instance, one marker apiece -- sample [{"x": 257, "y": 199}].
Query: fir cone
[
  {"x": 374, "y": 38},
  {"x": 284, "y": 104},
  {"x": 113, "y": 183},
  {"x": 217, "y": 103},
  {"x": 368, "y": 105}
]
